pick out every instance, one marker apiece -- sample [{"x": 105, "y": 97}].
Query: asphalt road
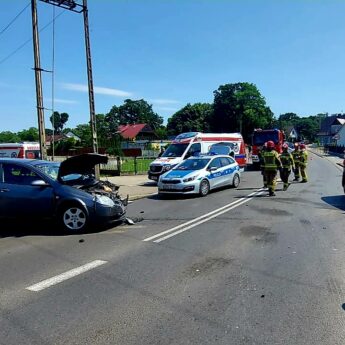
[{"x": 236, "y": 267}]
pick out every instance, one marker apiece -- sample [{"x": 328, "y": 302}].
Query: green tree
[
  {"x": 308, "y": 127},
  {"x": 286, "y": 120},
  {"x": 83, "y": 131},
  {"x": 58, "y": 121},
  {"x": 191, "y": 118},
  {"x": 102, "y": 125},
  {"x": 161, "y": 133},
  {"x": 240, "y": 107},
  {"x": 30, "y": 134},
  {"x": 133, "y": 111},
  {"x": 9, "y": 137}
]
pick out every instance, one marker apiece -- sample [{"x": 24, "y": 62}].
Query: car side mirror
[
  {"x": 39, "y": 183},
  {"x": 212, "y": 169}
]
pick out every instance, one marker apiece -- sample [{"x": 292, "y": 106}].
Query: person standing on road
[
  {"x": 303, "y": 162},
  {"x": 287, "y": 163},
  {"x": 271, "y": 165},
  {"x": 262, "y": 164},
  {"x": 296, "y": 158}
]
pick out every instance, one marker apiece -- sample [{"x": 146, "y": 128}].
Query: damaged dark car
[{"x": 67, "y": 192}]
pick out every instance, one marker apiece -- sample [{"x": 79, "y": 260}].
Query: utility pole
[
  {"x": 75, "y": 6},
  {"x": 38, "y": 79},
  {"x": 90, "y": 79}
]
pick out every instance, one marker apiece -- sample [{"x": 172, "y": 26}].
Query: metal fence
[{"x": 121, "y": 165}]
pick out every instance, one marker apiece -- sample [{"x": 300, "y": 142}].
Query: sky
[{"x": 174, "y": 52}]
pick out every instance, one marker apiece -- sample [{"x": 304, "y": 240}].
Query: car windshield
[
  {"x": 175, "y": 150},
  {"x": 193, "y": 164},
  {"x": 50, "y": 169},
  {"x": 259, "y": 138}
]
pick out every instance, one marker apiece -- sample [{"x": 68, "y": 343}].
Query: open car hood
[{"x": 83, "y": 164}]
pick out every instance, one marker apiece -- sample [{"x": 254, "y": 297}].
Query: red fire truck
[{"x": 261, "y": 136}]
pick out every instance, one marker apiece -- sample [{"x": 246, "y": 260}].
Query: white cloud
[
  {"x": 97, "y": 89},
  {"x": 62, "y": 101},
  {"x": 163, "y": 101}
]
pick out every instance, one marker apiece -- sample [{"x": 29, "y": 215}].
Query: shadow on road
[
  {"x": 163, "y": 197},
  {"x": 18, "y": 228},
  {"x": 337, "y": 201},
  {"x": 148, "y": 184}
]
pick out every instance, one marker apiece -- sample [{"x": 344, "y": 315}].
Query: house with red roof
[{"x": 137, "y": 131}]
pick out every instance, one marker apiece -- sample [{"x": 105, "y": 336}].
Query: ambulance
[
  {"x": 194, "y": 143},
  {"x": 20, "y": 150}
]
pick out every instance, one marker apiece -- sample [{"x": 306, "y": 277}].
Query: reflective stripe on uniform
[
  {"x": 286, "y": 160},
  {"x": 269, "y": 159},
  {"x": 296, "y": 156}
]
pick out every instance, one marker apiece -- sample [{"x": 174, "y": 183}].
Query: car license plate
[
  {"x": 169, "y": 186},
  {"x": 154, "y": 178}
]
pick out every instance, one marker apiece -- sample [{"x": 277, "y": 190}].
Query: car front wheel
[
  {"x": 204, "y": 188},
  {"x": 74, "y": 218}
]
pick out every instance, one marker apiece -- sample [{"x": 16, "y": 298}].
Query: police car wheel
[
  {"x": 204, "y": 188},
  {"x": 236, "y": 181}
]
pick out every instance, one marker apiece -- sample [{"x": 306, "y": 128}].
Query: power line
[
  {"x": 29, "y": 40},
  {"x": 14, "y": 19}
]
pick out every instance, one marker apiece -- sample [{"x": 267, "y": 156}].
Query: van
[
  {"x": 193, "y": 143},
  {"x": 20, "y": 150}
]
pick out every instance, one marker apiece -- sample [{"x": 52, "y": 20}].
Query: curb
[
  {"x": 140, "y": 196},
  {"x": 323, "y": 156}
]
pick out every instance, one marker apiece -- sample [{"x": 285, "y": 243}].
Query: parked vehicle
[
  {"x": 67, "y": 192},
  {"x": 188, "y": 144},
  {"x": 20, "y": 150},
  {"x": 261, "y": 136},
  {"x": 199, "y": 175},
  {"x": 343, "y": 179}
]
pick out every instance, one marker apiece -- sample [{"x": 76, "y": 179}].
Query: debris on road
[{"x": 129, "y": 221}]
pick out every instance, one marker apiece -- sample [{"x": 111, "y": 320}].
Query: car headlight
[
  {"x": 104, "y": 200},
  {"x": 189, "y": 179}
]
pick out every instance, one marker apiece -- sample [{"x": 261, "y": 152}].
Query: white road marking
[
  {"x": 64, "y": 276},
  {"x": 234, "y": 203},
  {"x": 204, "y": 220}
]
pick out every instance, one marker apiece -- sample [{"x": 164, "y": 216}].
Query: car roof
[
  {"x": 209, "y": 156},
  {"x": 23, "y": 161}
]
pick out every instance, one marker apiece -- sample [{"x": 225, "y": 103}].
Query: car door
[
  {"x": 228, "y": 170},
  {"x": 20, "y": 198},
  {"x": 3, "y": 190},
  {"x": 215, "y": 173}
]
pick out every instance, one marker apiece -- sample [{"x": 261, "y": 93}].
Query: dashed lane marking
[{"x": 64, "y": 276}]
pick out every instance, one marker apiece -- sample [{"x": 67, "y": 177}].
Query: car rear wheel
[
  {"x": 73, "y": 219},
  {"x": 236, "y": 181},
  {"x": 204, "y": 188}
]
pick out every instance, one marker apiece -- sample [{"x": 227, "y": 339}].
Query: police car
[{"x": 199, "y": 175}]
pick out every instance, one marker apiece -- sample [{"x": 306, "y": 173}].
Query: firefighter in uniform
[
  {"x": 296, "y": 153},
  {"x": 261, "y": 159},
  {"x": 303, "y": 162},
  {"x": 271, "y": 165},
  {"x": 287, "y": 163}
]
